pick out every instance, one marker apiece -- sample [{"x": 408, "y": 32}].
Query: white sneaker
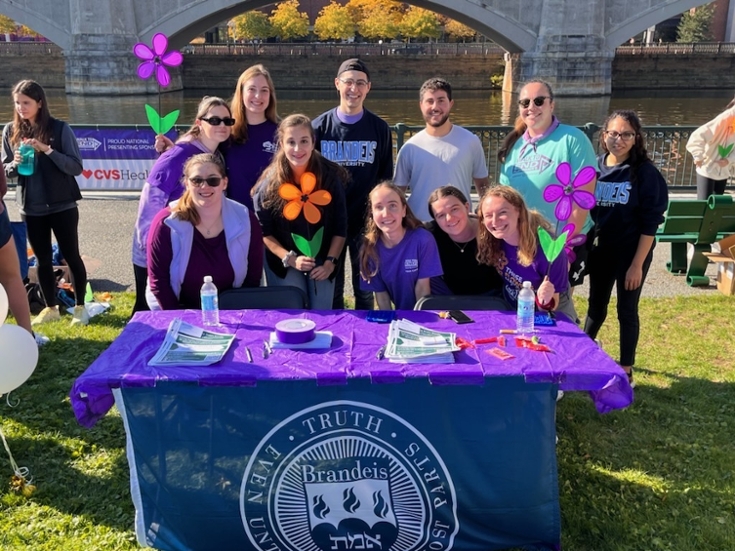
[
  {"x": 80, "y": 316},
  {"x": 559, "y": 395},
  {"x": 41, "y": 339}
]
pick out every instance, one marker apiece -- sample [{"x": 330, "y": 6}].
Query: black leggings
[
  {"x": 708, "y": 186},
  {"x": 64, "y": 225},
  {"x": 606, "y": 268},
  {"x": 141, "y": 280}
]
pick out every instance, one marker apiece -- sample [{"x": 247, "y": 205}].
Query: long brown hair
[
  {"x": 240, "y": 130},
  {"x": 204, "y": 106},
  {"x": 519, "y": 127},
  {"x": 488, "y": 247},
  {"x": 39, "y": 129},
  {"x": 185, "y": 209},
  {"x": 369, "y": 259},
  {"x": 279, "y": 170},
  {"x": 445, "y": 191}
]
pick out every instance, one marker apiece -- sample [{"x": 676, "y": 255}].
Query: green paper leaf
[
  {"x": 551, "y": 247},
  {"x": 309, "y": 247},
  {"x": 725, "y": 150},
  {"x": 154, "y": 119},
  {"x": 169, "y": 121}
]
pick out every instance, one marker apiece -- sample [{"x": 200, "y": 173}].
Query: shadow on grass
[{"x": 655, "y": 476}]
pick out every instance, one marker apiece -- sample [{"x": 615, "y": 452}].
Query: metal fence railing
[
  {"x": 666, "y": 146},
  {"x": 677, "y": 48}
]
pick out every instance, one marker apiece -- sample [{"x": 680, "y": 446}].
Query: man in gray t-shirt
[{"x": 441, "y": 154}]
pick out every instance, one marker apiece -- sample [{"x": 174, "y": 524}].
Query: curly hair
[
  {"x": 488, "y": 247},
  {"x": 638, "y": 153},
  {"x": 369, "y": 259}
]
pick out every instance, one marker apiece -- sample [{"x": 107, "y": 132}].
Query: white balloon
[
  {"x": 3, "y": 304},
  {"x": 19, "y": 353}
]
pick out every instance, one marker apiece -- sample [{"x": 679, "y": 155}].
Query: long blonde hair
[
  {"x": 369, "y": 259},
  {"x": 240, "y": 130},
  {"x": 488, "y": 247},
  {"x": 204, "y": 106},
  {"x": 185, "y": 209}
]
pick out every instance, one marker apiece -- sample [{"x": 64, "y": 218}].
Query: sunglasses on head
[
  {"x": 538, "y": 101},
  {"x": 216, "y": 121},
  {"x": 212, "y": 181}
]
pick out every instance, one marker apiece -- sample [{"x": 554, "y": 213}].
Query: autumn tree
[
  {"x": 27, "y": 31},
  {"x": 376, "y": 18},
  {"x": 251, "y": 25},
  {"x": 288, "y": 22},
  {"x": 7, "y": 25},
  {"x": 695, "y": 25},
  {"x": 334, "y": 22},
  {"x": 419, "y": 23},
  {"x": 458, "y": 30}
]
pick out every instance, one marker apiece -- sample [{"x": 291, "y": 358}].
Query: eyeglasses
[
  {"x": 625, "y": 136},
  {"x": 216, "y": 121},
  {"x": 350, "y": 83},
  {"x": 537, "y": 101},
  {"x": 212, "y": 181}
]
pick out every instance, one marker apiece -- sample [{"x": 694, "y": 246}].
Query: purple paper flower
[
  {"x": 566, "y": 191},
  {"x": 572, "y": 241},
  {"x": 156, "y": 59}
]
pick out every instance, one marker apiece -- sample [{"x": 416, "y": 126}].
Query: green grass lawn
[{"x": 657, "y": 476}]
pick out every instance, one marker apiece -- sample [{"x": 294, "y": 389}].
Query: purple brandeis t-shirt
[
  {"x": 246, "y": 161},
  {"x": 415, "y": 257},
  {"x": 514, "y": 274}
]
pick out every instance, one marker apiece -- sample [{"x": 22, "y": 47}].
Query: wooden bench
[{"x": 697, "y": 223}]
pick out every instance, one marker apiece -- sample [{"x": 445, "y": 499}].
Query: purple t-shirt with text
[
  {"x": 246, "y": 161},
  {"x": 514, "y": 274},
  {"x": 415, "y": 257}
]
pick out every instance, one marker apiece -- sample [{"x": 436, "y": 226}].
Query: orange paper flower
[{"x": 304, "y": 198}]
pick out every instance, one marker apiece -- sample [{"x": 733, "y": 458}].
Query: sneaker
[
  {"x": 80, "y": 316},
  {"x": 630, "y": 378},
  {"x": 559, "y": 395},
  {"x": 50, "y": 313},
  {"x": 598, "y": 342},
  {"x": 40, "y": 339}
]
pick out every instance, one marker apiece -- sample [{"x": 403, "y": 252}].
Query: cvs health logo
[{"x": 102, "y": 174}]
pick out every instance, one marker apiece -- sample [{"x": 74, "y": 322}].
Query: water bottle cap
[
  {"x": 526, "y": 284},
  {"x": 207, "y": 279}
]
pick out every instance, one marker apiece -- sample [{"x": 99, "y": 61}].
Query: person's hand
[
  {"x": 545, "y": 291},
  {"x": 723, "y": 163},
  {"x": 698, "y": 162},
  {"x": 39, "y": 146},
  {"x": 633, "y": 277},
  {"x": 304, "y": 263},
  {"x": 320, "y": 273},
  {"x": 163, "y": 143},
  {"x": 17, "y": 157}
]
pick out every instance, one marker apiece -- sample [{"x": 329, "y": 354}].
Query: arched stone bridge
[{"x": 570, "y": 43}]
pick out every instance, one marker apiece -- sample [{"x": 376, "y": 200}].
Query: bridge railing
[
  {"x": 676, "y": 48},
  {"x": 666, "y": 147}
]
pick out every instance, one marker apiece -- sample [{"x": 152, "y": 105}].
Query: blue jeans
[{"x": 318, "y": 293}]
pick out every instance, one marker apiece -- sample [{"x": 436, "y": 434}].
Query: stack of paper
[
  {"x": 412, "y": 343},
  {"x": 186, "y": 344}
]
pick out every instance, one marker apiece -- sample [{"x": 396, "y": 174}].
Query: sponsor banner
[
  {"x": 293, "y": 466},
  {"x": 116, "y": 158}
]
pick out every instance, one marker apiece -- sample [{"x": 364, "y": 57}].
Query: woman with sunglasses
[
  {"x": 201, "y": 234},
  {"x": 300, "y": 202},
  {"x": 711, "y": 146},
  {"x": 631, "y": 199},
  {"x": 211, "y": 127},
  {"x": 533, "y": 150}
]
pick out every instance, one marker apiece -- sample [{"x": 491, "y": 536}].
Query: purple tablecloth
[{"x": 576, "y": 364}]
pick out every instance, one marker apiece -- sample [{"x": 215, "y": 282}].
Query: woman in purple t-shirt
[
  {"x": 507, "y": 239},
  {"x": 399, "y": 256},
  {"x": 202, "y": 234}
]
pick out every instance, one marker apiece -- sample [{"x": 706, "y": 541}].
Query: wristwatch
[
  {"x": 332, "y": 259},
  {"x": 286, "y": 256}
]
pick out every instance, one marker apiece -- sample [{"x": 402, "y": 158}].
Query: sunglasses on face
[
  {"x": 625, "y": 136},
  {"x": 538, "y": 101},
  {"x": 216, "y": 121},
  {"x": 212, "y": 181}
]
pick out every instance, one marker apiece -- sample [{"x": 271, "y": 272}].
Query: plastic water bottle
[
  {"x": 27, "y": 163},
  {"x": 210, "y": 302},
  {"x": 526, "y": 309}
]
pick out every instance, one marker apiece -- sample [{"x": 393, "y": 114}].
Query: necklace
[
  {"x": 463, "y": 246},
  {"x": 208, "y": 230}
]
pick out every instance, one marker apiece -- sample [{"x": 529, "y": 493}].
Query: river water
[{"x": 686, "y": 107}]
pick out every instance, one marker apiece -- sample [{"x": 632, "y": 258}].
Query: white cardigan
[{"x": 704, "y": 145}]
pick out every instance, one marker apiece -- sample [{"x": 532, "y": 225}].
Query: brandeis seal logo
[{"x": 347, "y": 475}]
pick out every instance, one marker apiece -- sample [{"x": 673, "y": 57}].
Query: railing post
[
  {"x": 400, "y": 129},
  {"x": 589, "y": 129}
]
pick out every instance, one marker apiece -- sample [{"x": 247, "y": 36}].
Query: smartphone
[
  {"x": 381, "y": 316},
  {"x": 460, "y": 317}
]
